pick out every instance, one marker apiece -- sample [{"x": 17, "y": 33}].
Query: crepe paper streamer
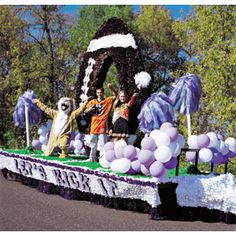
[
  {"x": 156, "y": 110},
  {"x": 185, "y": 95},
  {"x": 26, "y": 113}
]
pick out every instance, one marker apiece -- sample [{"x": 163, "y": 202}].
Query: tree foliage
[
  {"x": 159, "y": 45},
  {"x": 41, "y": 48},
  {"x": 208, "y": 39}
]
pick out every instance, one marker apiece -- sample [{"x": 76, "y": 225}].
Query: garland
[{"x": 113, "y": 40}]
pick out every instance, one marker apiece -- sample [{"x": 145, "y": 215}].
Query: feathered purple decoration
[
  {"x": 34, "y": 112},
  {"x": 186, "y": 93},
  {"x": 157, "y": 109}
]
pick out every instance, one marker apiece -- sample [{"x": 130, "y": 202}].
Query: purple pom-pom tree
[
  {"x": 156, "y": 110},
  {"x": 185, "y": 94},
  {"x": 26, "y": 113}
]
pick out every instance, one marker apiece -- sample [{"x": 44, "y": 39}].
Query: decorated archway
[{"x": 115, "y": 44}]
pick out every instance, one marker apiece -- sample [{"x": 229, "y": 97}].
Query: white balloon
[
  {"x": 104, "y": 163},
  {"x": 154, "y": 133},
  {"x": 163, "y": 154},
  {"x": 48, "y": 124},
  {"x": 76, "y": 151},
  {"x": 121, "y": 165},
  {"x": 78, "y": 144},
  {"x": 83, "y": 151},
  {"x": 205, "y": 154},
  {"x": 138, "y": 150},
  {"x": 162, "y": 139},
  {"x": 214, "y": 142},
  {"x": 165, "y": 126},
  {"x": 120, "y": 143},
  {"x": 230, "y": 141},
  {"x": 87, "y": 140},
  {"x": 232, "y": 148},
  {"x": 42, "y": 130},
  {"x": 43, "y": 147},
  {"x": 43, "y": 139},
  {"x": 136, "y": 165},
  {"x": 192, "y": 141}
]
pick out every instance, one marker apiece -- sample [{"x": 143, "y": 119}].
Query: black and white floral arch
[{"x": 113, "y": 44}]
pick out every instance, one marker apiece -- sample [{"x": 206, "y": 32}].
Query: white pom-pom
[{"x": 142, "y": 79}]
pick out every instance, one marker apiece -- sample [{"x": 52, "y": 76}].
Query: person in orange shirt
[{"x": 100, "y": 108}]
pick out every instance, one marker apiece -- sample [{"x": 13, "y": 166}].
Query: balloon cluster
[
  {"x": 158, "y": 153},
  {"x": 43, "y": 132},
  {"x": 76, "y": 144},
  {"x": 212, "y": 147}
]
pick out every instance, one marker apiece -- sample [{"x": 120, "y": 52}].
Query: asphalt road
[{"x": 25, "y": 209}]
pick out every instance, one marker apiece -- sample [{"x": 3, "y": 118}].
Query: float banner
[{"x": 81, "y": 178}]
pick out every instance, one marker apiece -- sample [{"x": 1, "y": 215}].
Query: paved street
[{"x": 24, "y": 208}]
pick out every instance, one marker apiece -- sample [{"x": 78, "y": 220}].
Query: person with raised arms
[{"x": 100, "y": 108}]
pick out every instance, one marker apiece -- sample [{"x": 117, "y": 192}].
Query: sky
[{"x": 174, "y": 9}]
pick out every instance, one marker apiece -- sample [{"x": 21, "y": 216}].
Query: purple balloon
[
  {"x": 110, "y": 155},
  {"x": 190, "y": 156},
  {"x": 146, "y": 157},
  {"x": 71, "y": 145},
  {"x": 220, "y": 137},
  {"x": 145, "y": 170},
  {"x": 136, "y": 165},
  {"x": 231, "y": 154},
  {"x": 72, "y": 136},
  {"x": 131, "y": 171},
  {"x": 224, "y": 159},
  {"x": 157, "y": 169},
  {"x": 36, "y": 144},
  {"x": 78, "y": 136},
  {"x": 217, "y": 158},
  {"x": 165, "y": 126},
  {"x": 78, "y": 144},
  {"x": 148, "y": 143},
  {"x": 109, "y": 146},
  {"x": 172, "y": 163},
  {"x": 214, "y": 150},
  {"x": 129, "y": 152},
  {"x": 119, "y": 152},
  {"x": 172, "y": 133},
  {"x": 203, "y": 141}
]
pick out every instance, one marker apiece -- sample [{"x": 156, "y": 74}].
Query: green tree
[
  {"x": 160, "y": 47},
  {"x": 208, "y": 39},
  {"x": 35, "y": 54},
  {"x": 50, "y": 57},
  {"x": 11, "y": 40},
  {"x": 90, "y": 18}
]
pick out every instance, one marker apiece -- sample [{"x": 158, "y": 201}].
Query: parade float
[{"x": 144, "y": 177}]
